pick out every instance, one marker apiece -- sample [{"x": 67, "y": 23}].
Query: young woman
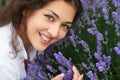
[{"x": 32, "y": 23}]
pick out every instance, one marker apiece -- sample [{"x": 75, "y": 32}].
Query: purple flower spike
[
  {"x": 51, "y": 69},
  {"x": 92, "y": 75},
  {"x": 107, "y": 59},
  {"x": 101, "y": 66},
  {"x": 73, "y": 41},
  {"x": 62, "y": 60},
  {"x": 68, "y": 75},
  {"x": 62, "y": 69},
  {"x": 91, "y": 31},
  {"x": 66, "y": 63},
  {"x": 97, "y": 56},
  {"x": 117, "y": 50}
]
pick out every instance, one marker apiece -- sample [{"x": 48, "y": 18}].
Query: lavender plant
[
  {"x": 93, "y": 43},
  {"x": 43, "y": 67}
]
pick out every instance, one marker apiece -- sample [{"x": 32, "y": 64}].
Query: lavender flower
[
  {"x": 101, "y": 66},
  {"x": 99, "y": 38},
  {"x": 93, "y": 23},
  {"x": 62, "y": 69},
  {"x": 114, "y": 2},
  {"x": 103, "y": 4},
  {"x": 73, "y": 41},
  {"x": 91, "y": 75},
  {"x": 117, "y": 50},
  {"x": 62, "y": 60},
  {"x": 116, "y": 17},
  {"x": 91, "y": 31},
  {"x": 107, "y": 59},
  {"x": 97, "y": 56},
  {"x": 35, "y": 72},
  {"x": 78, "y": 23},
  {"x": 105, "y": 12},
  {"x": 84, "y": 4},
  {"x": 51, "y": 69},
  {"x": 68, "y": 75},
  {"x": 84, "y": 44},
  {"x": 96, "y": 3},
  {"x": 66, "y": 63}
]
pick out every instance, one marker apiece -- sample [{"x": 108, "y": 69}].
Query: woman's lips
[{"x": 44, "y": 39}]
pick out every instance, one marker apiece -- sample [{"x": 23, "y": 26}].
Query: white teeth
[{"x": 45, "y": 38}]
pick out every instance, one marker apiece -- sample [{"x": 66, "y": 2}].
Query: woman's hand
[
  {"x": 58, "y": 77},
  {"x": 76, "y": 76}
]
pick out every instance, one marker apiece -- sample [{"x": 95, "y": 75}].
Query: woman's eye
[
  {"x": 66, "y": 26},
  {"x": 51, "y": 18}
]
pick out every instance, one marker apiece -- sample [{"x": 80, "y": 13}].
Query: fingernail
[
  {"x": 82, "y": 75},
  {"x": 73, "y": 66},
  {"x": 62, "y": 74}
]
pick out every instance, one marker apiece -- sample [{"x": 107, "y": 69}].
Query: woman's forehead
[{"x": 61, "y": 8}]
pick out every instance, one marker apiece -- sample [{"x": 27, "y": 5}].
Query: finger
[
  {"x": 75, "y": 69},
  {"x": 80, "y": 77},
  {"x": 76, "y": 73},
  {"x": 58, "y": 77}
]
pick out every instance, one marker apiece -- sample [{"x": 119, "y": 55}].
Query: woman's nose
[{"x": 54, "y": 30}]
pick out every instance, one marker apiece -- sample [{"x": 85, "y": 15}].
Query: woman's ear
[{"x": 25, "y": 12}]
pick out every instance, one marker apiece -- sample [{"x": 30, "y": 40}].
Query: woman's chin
[{"x": 41, "y": 48}]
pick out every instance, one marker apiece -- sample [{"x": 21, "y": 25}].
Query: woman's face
[{"x": 49, "y": 24}]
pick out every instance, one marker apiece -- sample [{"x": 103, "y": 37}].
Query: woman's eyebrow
[
  {"x": 54, "y": 13},
  {"x": 68, "y": 22}
]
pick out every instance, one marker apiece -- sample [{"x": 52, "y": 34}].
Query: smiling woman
[
  {"x": 49, "y": 24},
  {"x": 33, "y": 25}
]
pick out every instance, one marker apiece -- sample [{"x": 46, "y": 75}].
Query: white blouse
[{"x": 11, "y": 68}]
